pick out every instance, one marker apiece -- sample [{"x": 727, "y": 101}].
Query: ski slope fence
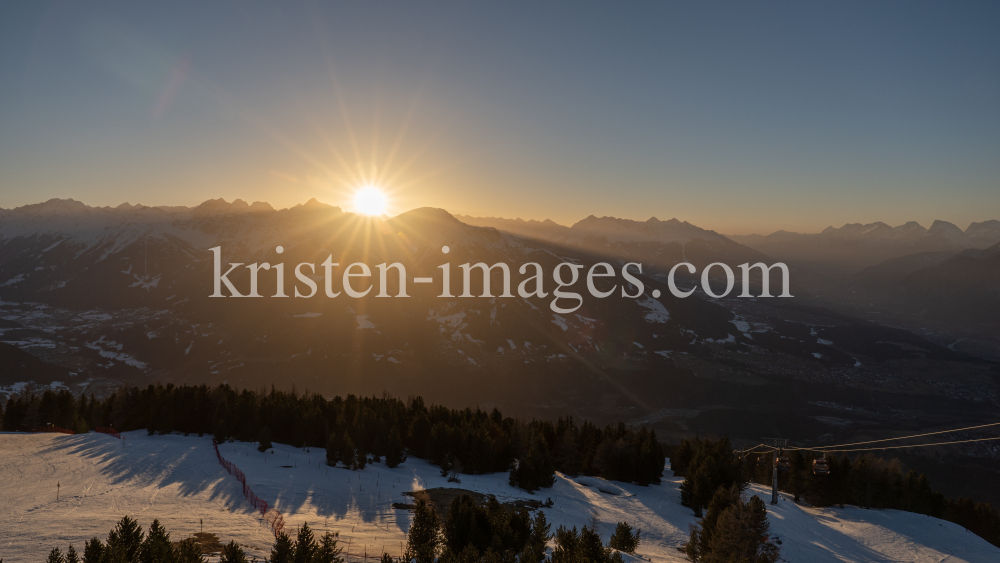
[
  {"x": 53, "y": 429},
  {"x": 108, "y": 431},
  {"x": 272, "y": 516}
]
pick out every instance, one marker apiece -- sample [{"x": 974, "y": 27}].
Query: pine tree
[
  {"x": 567, "y": 548},
  {"x": 360, "y": 458},
  {"x": 394, "y": 454},
  {"x": 71, "y": 556},
  {"x": 798, "y": 475},
  {"x": 156, "y": 548},
  {"x": 722, "y": 500},
  {"x": 591, "y": 548},
  {"x": 332, "y": 450},
  {"x": 534, "y": 549},
  {"x": 283, "y": 550},
  {"x": 233, "y": 553},
  {"x": 188, "y": 551},
  {"x": 347, "y": 453},
  {"x": 264, "y": 440},
  {"x": 536, "y": 470},
  {"x": 420, "y": 432},
  {"x": 734, "y": 529},
  {"x": 328, "y": 551},
  {"x": 467, "y": 523},
  {"x": 124, "y": 541},
  {"x": 540, "y": 460},
  {"x": 305, "y": 545},
  {"x": 625, "y": 538},
  {"x": 567, "y": 454},
  {"x": 93, "y": 551},
  {"x": 424, "y": 537},
  {"x": 55, "y": 556}
]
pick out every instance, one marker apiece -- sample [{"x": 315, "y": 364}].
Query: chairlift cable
[{"x": 822, "y": 448}]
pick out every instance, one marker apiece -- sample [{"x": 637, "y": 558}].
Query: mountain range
[
  {"x": 854, "y": 246},
  {"x": 107, "y": 294}
]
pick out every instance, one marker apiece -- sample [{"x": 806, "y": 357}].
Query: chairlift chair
[{"x": 821, "y": 466}]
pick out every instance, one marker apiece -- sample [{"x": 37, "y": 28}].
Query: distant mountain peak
[
  {"x": 54, "y": 205},
  {"x": 434, "y": 214}
]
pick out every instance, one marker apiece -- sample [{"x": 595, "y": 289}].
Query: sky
[{"x": 738, "y": 117}]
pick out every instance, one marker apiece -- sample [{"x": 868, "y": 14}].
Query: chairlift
[
  {"x": 761, "y": 461},
  {"x": 821, "y": 466},
  {"x": 783, "y": 464}
]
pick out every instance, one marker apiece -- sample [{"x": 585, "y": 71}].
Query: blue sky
[{"x": 739, "y": 117}]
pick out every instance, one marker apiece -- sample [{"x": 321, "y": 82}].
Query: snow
[
  {"x": 453, "y": 321},
  {"x": 729, "y": 339},
  {"x": 178, "y": 480},
  {"x": 363, "y": 322},
  {"x": 560, "y": 322},
  {"x": 95, "y": 316},
  {"x": 16, "y": 279},
  {"x": 658, "y": 313}
]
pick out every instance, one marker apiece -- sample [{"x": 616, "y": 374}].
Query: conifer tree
[
  {"x": 347, "y": 453},
  {"x": 124, "y": 541},
  {"x": 360, "y": 458},
  {"x": 188, "y": 551},
  {"x": 567, "y": 545},
  {"x": 534, "y": 549},
  {"x": 424, "y": 537},
  {"x": 332, "y": 450},
  {"x": 156, "y": 548},
  {"x": 71, "y": 556},
  {"x": 536, "y": 469},
  {"x": 283, "y": 550},
  {"x": 625, "y": 538},
  {"x": 233, "y": 553},
  {"x": 591, "y": 548},
  {"x": 264, "y": 440},
  {"x": 55, "y": 556},
  {"x": 93, "y": 551},
  {"x": 328, "y": 550},
  {"x": 734, "y": 529},
  {"x": 394, "y": 454},
  {"x": 305, "y": 545}
]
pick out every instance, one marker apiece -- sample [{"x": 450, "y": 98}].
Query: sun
[{"x": 370, "y": 200}]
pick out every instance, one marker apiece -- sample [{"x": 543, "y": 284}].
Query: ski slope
[{"x": 178, "y": 480}]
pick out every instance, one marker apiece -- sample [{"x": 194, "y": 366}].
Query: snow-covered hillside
[{"x": 178, "y": 480}]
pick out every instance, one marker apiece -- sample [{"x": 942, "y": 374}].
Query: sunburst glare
[{"x": 370, "y": 200}]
